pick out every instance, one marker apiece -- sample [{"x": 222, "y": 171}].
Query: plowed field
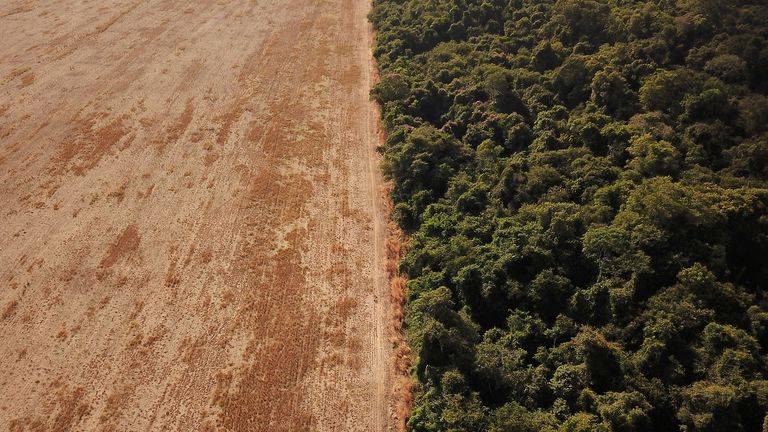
[{"x": 191, "y": 218}]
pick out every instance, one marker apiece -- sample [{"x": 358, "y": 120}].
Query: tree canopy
[{"x": 585, "y": 185}]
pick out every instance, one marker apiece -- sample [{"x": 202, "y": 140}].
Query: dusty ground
[{"x": 189, "y": 217}]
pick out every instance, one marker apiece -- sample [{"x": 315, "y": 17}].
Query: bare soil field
[{"x": 191, "y": 219}]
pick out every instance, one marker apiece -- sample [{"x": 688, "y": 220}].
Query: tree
[
  {"x": 440, "y": 335},
  {"x": 609, "y": 247},
  {"x": 603, "y": 360},
  {"x": 392, "y": 87},
  {"x": 753, "y": 113},
  {"x": 583, "y": 422},
  {"x": 665, "y": 90},
  {"x": 611, "y": 91},
  {"x": 708, "y": 407},
  {"x": 514, "y": 418},
  {"x": 585, "y": 186},
  {"x": 625, "y": 412},
  {"x": 573, "y": 81},
  {"x": 568, "y": 381},
  {"x": 728, "y": 354},
  {"x": 653, "y": 158}
]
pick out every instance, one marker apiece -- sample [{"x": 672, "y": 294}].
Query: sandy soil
[{"x": 190, "y": 217}]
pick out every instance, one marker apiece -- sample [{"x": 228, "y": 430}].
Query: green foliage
[
  {"x": 709, "y": 407},
  {"x": 585, "y": 185}
]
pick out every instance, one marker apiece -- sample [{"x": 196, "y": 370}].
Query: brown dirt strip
[{"x": 192, "y": 225}]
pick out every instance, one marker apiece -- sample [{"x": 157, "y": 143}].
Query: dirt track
[{"x": 190, "y": 219}]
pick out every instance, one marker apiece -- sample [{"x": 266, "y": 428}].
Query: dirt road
[{"x": 189, "y": 216}]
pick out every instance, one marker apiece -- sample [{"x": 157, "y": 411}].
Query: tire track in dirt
[{"x": 191, "y": 210}]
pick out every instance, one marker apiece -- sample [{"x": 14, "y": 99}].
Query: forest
[{"x": 584, "y": 184}]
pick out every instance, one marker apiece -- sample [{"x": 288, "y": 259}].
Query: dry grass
[
  {"x": 177, "y": 129},
  {"x": 73, "y": 409},
  {"x": 396, "y": 246},
  {"x": 25, "y": 7},
  {"x": 125, "y": 245},
  {"x": 92, "y": 139},
  {"x": 116, "y": 400},
  {"x": 15, "y": 73},
  {"x": 9, "y": 309},
  {"x": 27, "y": 79},
  {"x": 118, "y": 192}
]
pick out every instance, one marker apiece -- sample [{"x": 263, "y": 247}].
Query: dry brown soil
[{"x": 190, "y": 220}]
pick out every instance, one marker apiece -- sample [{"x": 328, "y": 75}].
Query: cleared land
[{"x": 190, "y": 219}]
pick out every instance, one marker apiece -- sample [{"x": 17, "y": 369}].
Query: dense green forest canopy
[{"x": 585, "y": 184}]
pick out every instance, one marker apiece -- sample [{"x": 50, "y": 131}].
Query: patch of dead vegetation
[
  {"x": 9, "y": 310},
  {"x": 115, "y": 404},
  {"x": 93, "y": 137},
  {"x": 27, "y": 79},
  {"x": 22, "y": 8},
  {"x": 125, "y": 245},
  {"x": 177, "y": 129},
  {"x": 72, "y": 409},
  {"x": 118, "y": 193},
  {"x": 396, "y": 246},
  {"x": 15, "y": 73}
]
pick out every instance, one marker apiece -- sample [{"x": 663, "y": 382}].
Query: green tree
[
  {"x": 611, "y": 91},
  {"x": 708, "y": 407},
  {"x": 653, "y": 158},
  {"x": 584, "y": 185}
]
